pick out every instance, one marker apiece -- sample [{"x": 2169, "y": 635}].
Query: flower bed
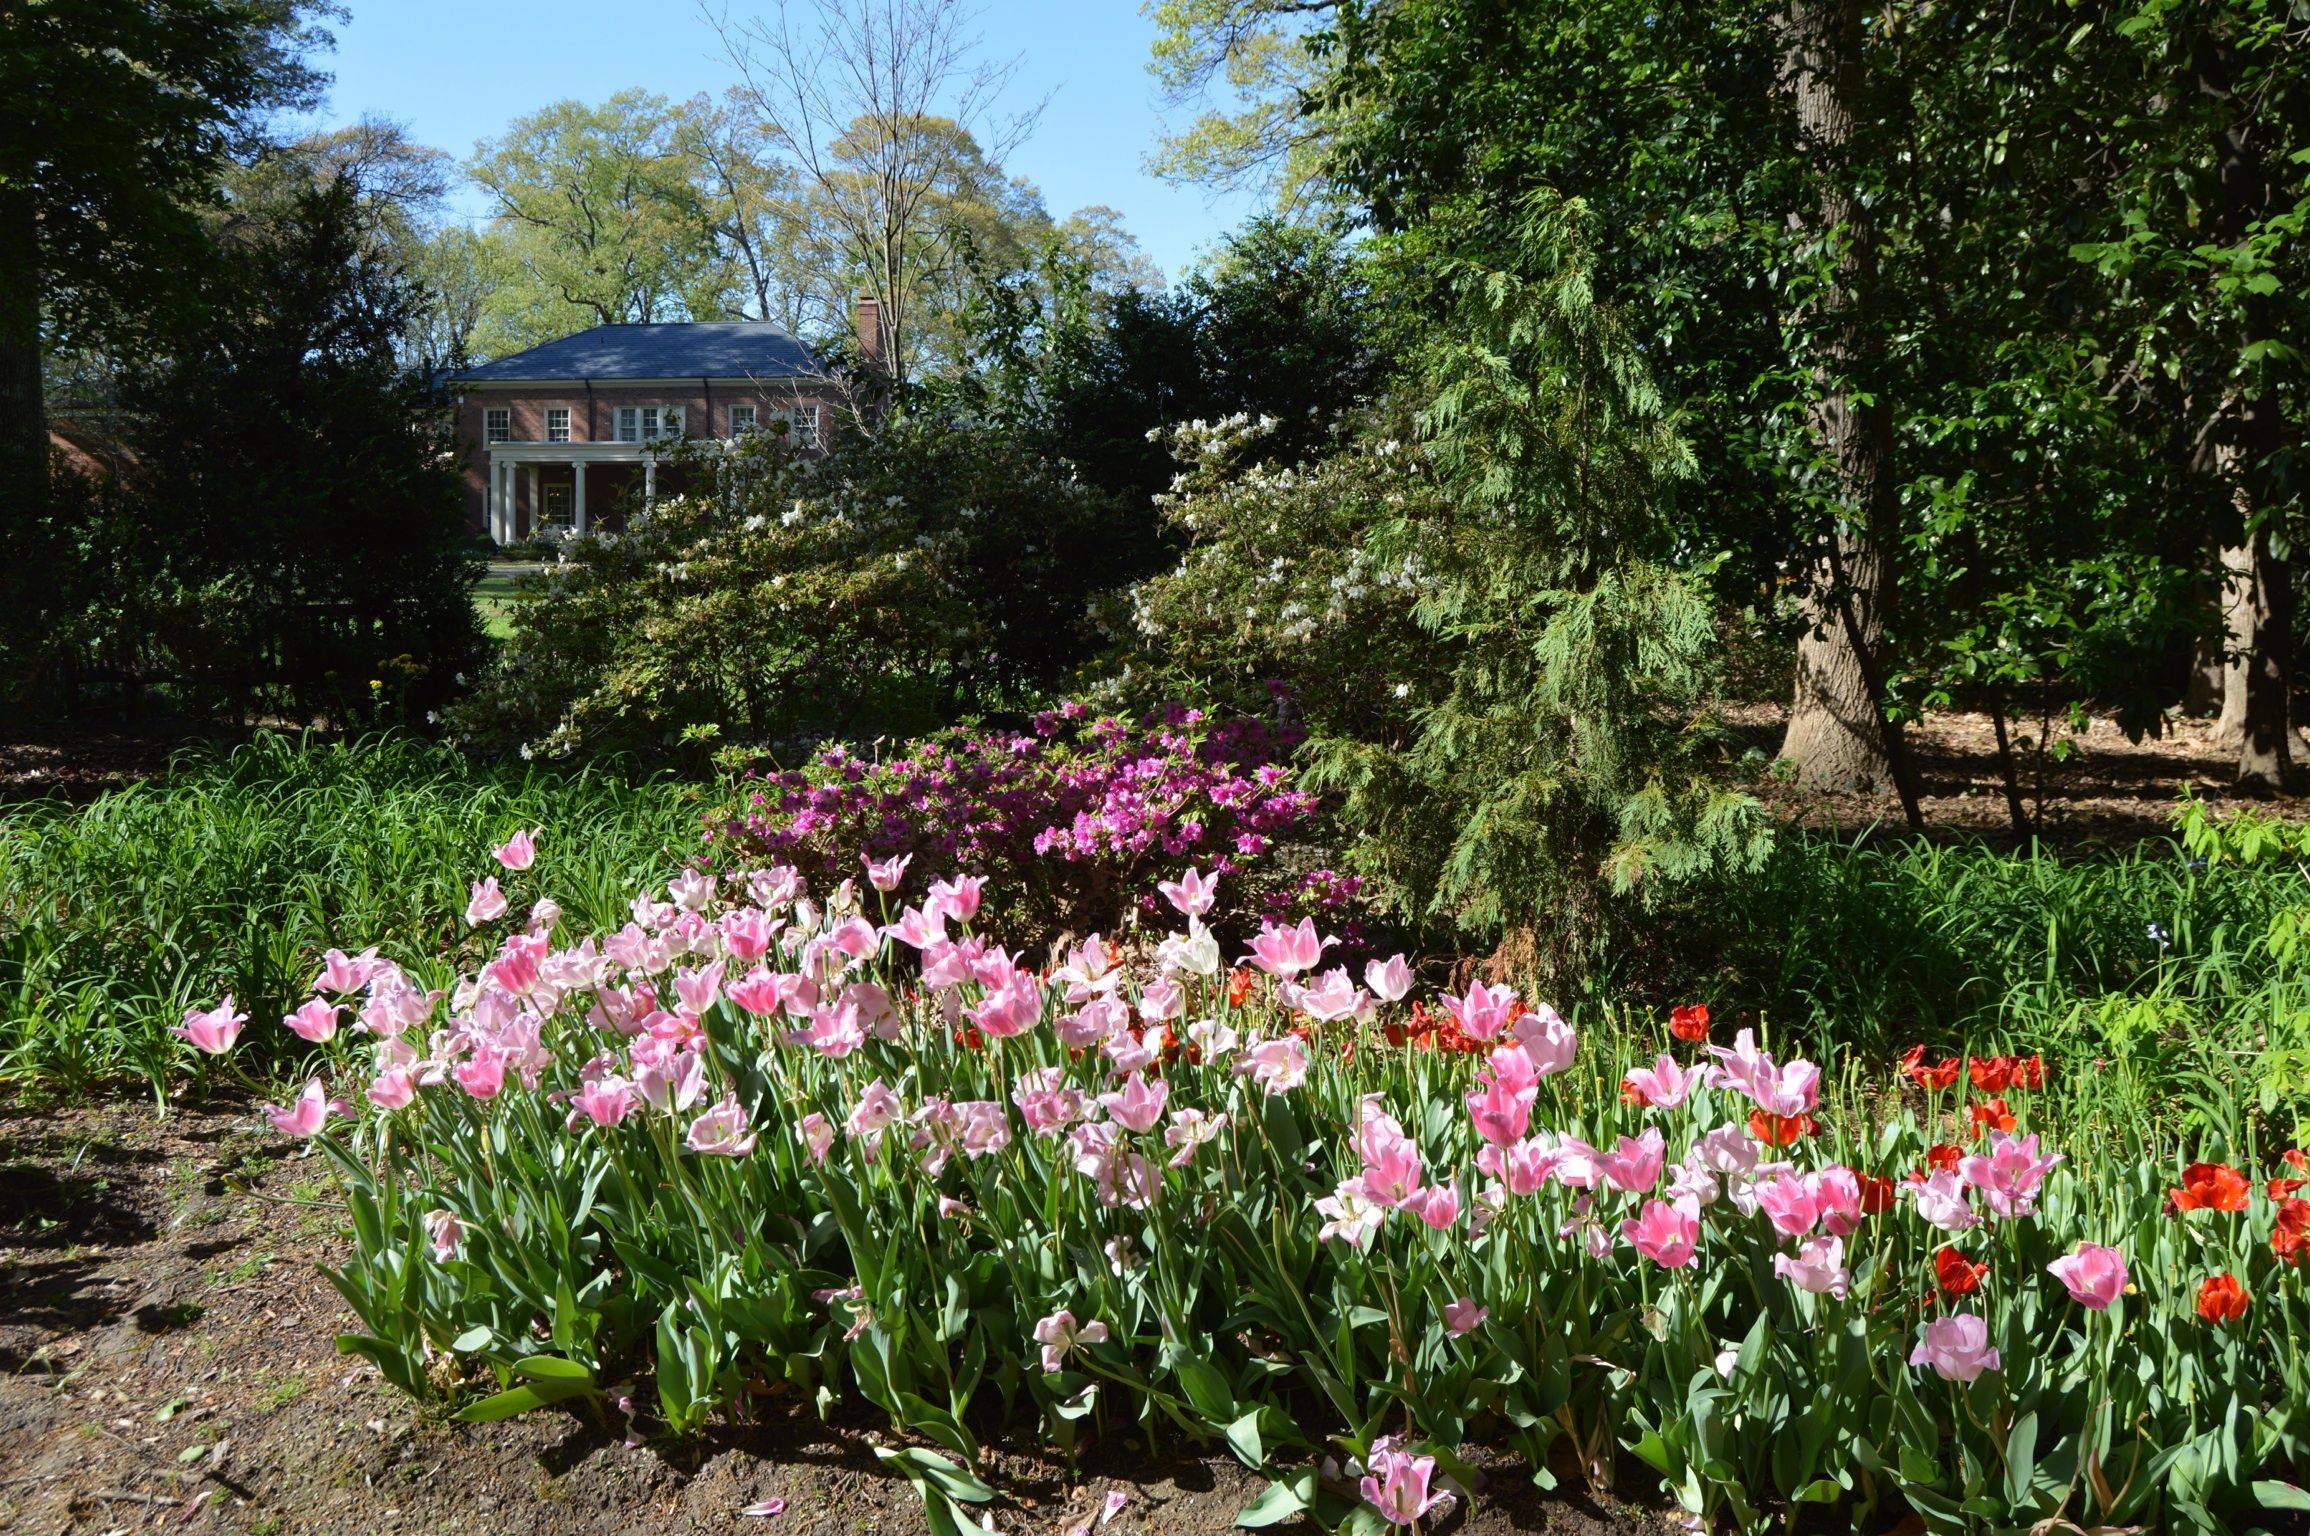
[{"x": 760, "y": 1142}]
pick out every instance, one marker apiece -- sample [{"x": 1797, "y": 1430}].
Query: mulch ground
[{"x": 167, "y": 1364}]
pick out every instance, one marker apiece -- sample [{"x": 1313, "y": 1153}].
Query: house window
[
  {"x": 741, "y": 420},
  {"x": 648, "y": 423},
  {"x": 557, "y": 424},
  {"x": 497, "y": 424},
  {"x": 801, "y": 425}
]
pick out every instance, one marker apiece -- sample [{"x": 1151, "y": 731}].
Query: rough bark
[
  {"x": 1838, "y": 732},
  {"x": 23, "y": 414},
  {"x": 2237, "y": 642},
  {"x": 2266, "y": 735}
]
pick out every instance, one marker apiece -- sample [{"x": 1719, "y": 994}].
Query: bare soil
[
  {"x": 167, "y": 1363},
  {"x": 2109, "y": 790}
]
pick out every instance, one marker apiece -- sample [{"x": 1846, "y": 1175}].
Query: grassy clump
[{"x": 233, "y": 873}]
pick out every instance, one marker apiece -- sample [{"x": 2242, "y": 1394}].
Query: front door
[{"x": 556, "y": 513}]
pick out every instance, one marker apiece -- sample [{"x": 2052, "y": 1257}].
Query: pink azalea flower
[
  {"x": 1634, "y": 1165},
  {"x": 1192, "y": 894},
  {"x": 885, "y": 874},
  {"x": 1389, "y": 979},
  {"x": 2094, "y": 1276},
  {"x": 1282, "y": 951},
  {"x": 315, "y": 1021},
  {"x": 1819, "y": 1267},
  {"x": 487, "y": 903},
  {"x": 517, "y": 852},
  {"x": 1665, "y": 1232},
  {"x": 306, "y": 1115},
  {"x": 1663, "y": 1085},
  {"x": 1484, "y": 1012},
  {"x": 2010, "y": 1176},
  {"x": 721, "y": 1131},
  {"x": 215, "y": 1030},
  {"x": 1139, "y": 1105},
  {"x": 1957, "y": 1347},
  {"x": 1396, "y": 1484},
  {"x": 1060, "y": 1333},
  {"x": 1464, "y": 1316}
]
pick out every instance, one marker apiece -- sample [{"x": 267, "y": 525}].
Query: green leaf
[
  {"x": 2277, "y": 1495},
  {"x": 1287, "y": 1498}
]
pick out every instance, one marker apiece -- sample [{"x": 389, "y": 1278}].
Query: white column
[
  {"x": 577, "y": 495},
  {"x": 649, "y": 479},
  {"x": 489, "y": 494}
]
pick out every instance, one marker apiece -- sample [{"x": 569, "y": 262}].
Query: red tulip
[
  {"x": 2221, "y": 1299},
  {"x": 2210, "y": 1187},
  {"x": 1689, "y": 1021},
  {"x": 1957, "y": 1275}
]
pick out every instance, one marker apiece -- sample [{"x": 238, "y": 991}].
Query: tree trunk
[
  {"x": 2265, "y": 715},
  {"x": 1838, "y": 733},
  {"x": 2237, "y": 643},
  {"x": 23, "y": 412}
]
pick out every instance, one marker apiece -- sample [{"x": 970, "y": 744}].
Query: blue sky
[{"x": 456, "y": 71}]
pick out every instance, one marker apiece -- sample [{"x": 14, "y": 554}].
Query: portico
[{"x": 517, "y": 480}]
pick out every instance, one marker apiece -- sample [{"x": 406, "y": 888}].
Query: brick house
[{"x": 555, "y": 437}]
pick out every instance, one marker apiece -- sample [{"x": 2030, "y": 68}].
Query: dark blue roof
[{"x": 738, "y": 349}]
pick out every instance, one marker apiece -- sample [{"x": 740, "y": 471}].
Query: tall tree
[
  {"x": 601, "y": 210},
  {"x": 885, "y": 110},
  {"x": 1248, "y": 77},
  {"x": 118, "y": 115}
]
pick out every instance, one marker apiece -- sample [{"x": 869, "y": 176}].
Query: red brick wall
[{"x": 594, "y": 420}]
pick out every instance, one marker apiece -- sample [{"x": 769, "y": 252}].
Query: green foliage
[
  {"x": 1501, "y": 662},
  {"x": 235, "y": 873},
  {"x": 926, "y": 571}
]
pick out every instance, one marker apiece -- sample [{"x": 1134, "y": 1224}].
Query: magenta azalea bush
[
  {"x": 769, "y": 1140},
  {"x": 1070, "y": 822}
]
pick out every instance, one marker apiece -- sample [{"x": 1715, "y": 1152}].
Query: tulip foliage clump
[{"x": 766, "y": 1144}]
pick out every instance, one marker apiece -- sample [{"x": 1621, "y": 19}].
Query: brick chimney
[{"x": 868, "y": 317}]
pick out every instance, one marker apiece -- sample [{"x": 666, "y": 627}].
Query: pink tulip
[
  {"x": 1139, "y": 1105},
  {"x": 2010, "y": 1176},
  {"x": 213, "y": 1031},
  {"x": 1464, "y": 1316},
  {"x": 981, "y": 1127},
  {"x": 699, "y": 990},
  {"x": 1332, "y": 997},
  {"x": 1546, "y": 1040},
  {"x": 1278, "y": 1065},
  {"x": 1793, "y": 1203},
  {"x": 1192, "y": 894},
  {"x": 305, "y": 1116},
  {"x": 1819, "y": 1267},
  {"x": 816, "y": 1134},
  {"x": 1634, "y": 1165},
  {"x": 394, "y": 1088},
  {"x": 1348, "y": 1216},
  {"x": 487, "y": 903},
  {"x": 606, "y": 1101},
  {"x": 315, "y": 1021},
  {"x": 342, "y": 973},
  {"x": 1161, "y": 999},
  {"x": 517, "y": 852},
  {"x": 1837, "y": 1191},
  {"x": 876, "y": 1111},
  {"x": 1957, "y": 1347},
  {"x": 1285, "y": 952},
  {"x": 2095, "y": 1276},
  {"x": 1501, "y": 1111},
  {"x": 957, "y": 898},
  {"x": 721, "y": 1131},
  {"x": 1783, "y": 1091},
  {"x": 1525, "y": 1167},
  {"x": 1663, "y": 1085},
  {"x": 445, "y": 1234},
  {"x": 1391, "y": 1169},
  {"x": 1389, "y": 979},
  {"x": 747, "y": 933},
  {"x": 885, "y": 874},
  {"x": 758, "y": 993},
  {"x": 1941, "y": 1201},
  {"x": 1437, "y": 1206},
  {"x": 1484, "y": 1012},
  {"x": 483, "y": 1076},
  {"x": 1190, "y": 1129},
  {"x": 1047, "y": 1102},
  {"x": 1665, "y": 1232},
  {"x": 1059, "y": 1333},
  {"x": 1396, "y": 1485}
]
